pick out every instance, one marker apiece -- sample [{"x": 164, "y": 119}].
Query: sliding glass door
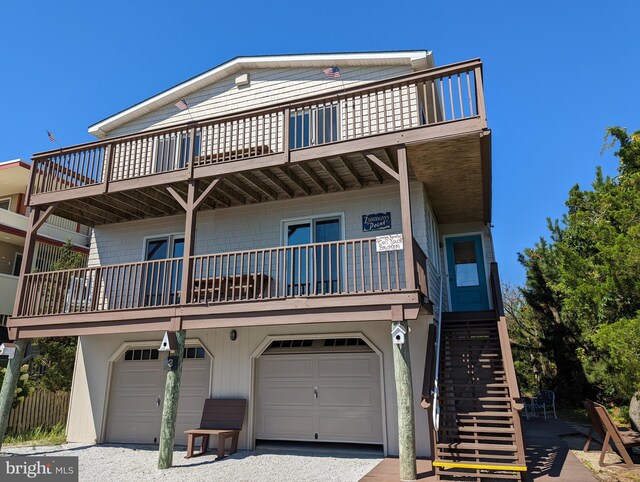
[{"x": 312, "y": 268}]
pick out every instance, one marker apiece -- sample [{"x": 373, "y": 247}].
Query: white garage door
[
  {"x": 137, "y": 394},
  {"x": 329, "y": 397}
]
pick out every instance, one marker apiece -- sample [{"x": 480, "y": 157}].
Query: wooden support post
[
  {"x": 405, "y": 210},
  {"x": 189, "y": 242},
  {"x": 170, "y": 407},
  {"x": 36, "y": 219},
  {"x": 404, "y": 394},
  {"x": 9, "y": 386}
]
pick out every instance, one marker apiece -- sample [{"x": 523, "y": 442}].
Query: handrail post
[
  {"x": 286, "y": 133},
  {"x": 192, "y": 150},
  {"x": 480, "y": 95},
  {"x": 108, "y": 156}
]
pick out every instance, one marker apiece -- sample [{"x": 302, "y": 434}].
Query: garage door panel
[
  {"x": 140, "y": 378},
  {"x": 134, "y": 402},
  {"x": 360, "y": 397},
  {"x": 288, "y": 395},
  {"x": 135, "y": 430},
  {"x": 284, "y": 423},
  {"x": 342, "y": 367},
  {"x": 342, "y": 427},
  {"x": 195, "y": 376},
  {"x": 272, "y": 367}
]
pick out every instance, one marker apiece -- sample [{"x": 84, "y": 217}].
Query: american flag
[
  {"x": 51, "y": 138},
  {"x": 182, "y": 105},
  {"x": 332, "y": 72}
]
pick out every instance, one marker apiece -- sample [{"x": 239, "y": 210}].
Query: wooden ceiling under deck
[
  {"x": 456, "y": 172},
  {"x": 320, "y": 176}
]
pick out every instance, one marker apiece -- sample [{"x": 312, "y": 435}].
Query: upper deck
[{"x": 318, "y": 144}]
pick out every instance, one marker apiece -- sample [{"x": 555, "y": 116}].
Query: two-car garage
[{"x": 324, "y": 390}]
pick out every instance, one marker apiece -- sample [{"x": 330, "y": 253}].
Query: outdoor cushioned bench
[
  {"x": 221, "y": 417},
  {"x": 622, "y": 438}
]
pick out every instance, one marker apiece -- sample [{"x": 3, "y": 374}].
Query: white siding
[{"x": 267, "y": 87}]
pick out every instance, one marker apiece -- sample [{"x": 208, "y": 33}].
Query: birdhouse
[
  {"x": 397, "y": 334},
  {"x": 8, "y": 349},
  {"x": 169, "y": 342}
]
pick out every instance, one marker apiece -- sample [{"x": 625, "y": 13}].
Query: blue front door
[{"x": 467, "y": 279}]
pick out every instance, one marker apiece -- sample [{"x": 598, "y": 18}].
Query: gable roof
[{"x": 417, "y": 59}]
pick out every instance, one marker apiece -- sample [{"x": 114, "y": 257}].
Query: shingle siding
[
  {"x": 267, "y": 86},
  {"x": 259, "y": 225}
]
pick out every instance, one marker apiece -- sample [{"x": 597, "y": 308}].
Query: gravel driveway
[{"x": 138, "y": 463}]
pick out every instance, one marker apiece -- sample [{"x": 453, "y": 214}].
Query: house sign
[
  {"x": 376, "y": 222},
  {"x": 389, "y": 242}
]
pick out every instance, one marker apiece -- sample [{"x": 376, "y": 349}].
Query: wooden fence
[{"x": 40, "y": 409}]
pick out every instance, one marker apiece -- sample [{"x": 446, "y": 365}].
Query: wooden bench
[
  {"x": 221, "y": 417},
  {"x": 602, "y": 424}
]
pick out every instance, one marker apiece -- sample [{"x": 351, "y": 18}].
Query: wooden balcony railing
[
  {"x": 429, "y": 97},
  {"x": 311, "y": 270}
]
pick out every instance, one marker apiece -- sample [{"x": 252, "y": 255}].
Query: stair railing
[
  {"x": 507, "y": 362},
  {"x": 436, "y": 403}
]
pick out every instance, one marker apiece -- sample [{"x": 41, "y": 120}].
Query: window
[
  {"x": 5, "y": 204},
  {"x": 163, "y": 278},
  {"x": 144, "y": 354},
  {"x": 313, "y": 126},
  {"x": 172, "y": 151},
  {"x": 17, "y": 264},
  {"x": 312, "y": 265}
]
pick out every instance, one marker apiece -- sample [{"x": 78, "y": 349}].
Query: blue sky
[{"x": 557, "y": 73}]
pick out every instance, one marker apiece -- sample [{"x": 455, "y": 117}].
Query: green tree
[
  {"x": 24, "y": 387},
  {"x": 56, "y": 356},
  {"x": 583, "y": 285}
]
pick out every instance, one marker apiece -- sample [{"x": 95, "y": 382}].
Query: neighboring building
[
  {"x": 14, "y": 221},
  {"x": 255, "y": 215}
]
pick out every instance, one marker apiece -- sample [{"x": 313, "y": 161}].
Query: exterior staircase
[{"x": 480, "y": 434}]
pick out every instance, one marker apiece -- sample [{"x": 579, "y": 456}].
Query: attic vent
[
  {"x": 344, "y": 342},
  {"x": 291, "y": 343}
]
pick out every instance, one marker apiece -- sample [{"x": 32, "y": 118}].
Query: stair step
[
  {"x": 475, "y": 414},
  {"x": 467, "y": 316},
  {"x": 473, "y": 438},
  {"x": 461, "y": 476},
  {"x": 484, "y": 399},
  {"x": 479, "y": 465},
  {"x": 443, "y": 455},
  {"x": 475, "y": 384},
  {"x": 453, "y": 447},
  {"x": 477, "y": 429},
  {"x": 449, "y": 420}
]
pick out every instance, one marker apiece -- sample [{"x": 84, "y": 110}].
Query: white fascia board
[{"x": 418, "y": 59}]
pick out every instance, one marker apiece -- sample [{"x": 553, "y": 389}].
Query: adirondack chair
[
  {"x": 221, "y": 417},
  {"x": 601, "y": 423}
]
